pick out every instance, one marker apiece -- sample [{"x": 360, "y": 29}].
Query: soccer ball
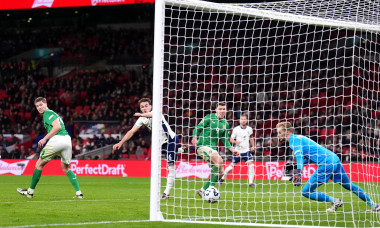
[{"x": 211, "y": 195}]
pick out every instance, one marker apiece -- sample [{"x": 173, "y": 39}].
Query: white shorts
[
  {"x": 58, "y": 145},
  {"x": 205, "y": 152}
]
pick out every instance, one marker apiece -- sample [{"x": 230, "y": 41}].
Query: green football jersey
[
  {"x": 49, "y": 117},
  {"x": 212, "y": 129}
]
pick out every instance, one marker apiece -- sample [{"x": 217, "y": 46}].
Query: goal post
[{"x": 314, "y": 63}]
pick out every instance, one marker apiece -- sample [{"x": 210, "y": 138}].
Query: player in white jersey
[
  {"x": 244, "y": 142},
  {"x": 169, "y": 140}
]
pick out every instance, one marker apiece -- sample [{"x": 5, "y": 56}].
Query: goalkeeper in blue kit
[{"x": 329, "y": 166}]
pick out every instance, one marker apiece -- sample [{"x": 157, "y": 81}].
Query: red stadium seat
[
  {"x": 133, "y": 156},
  {"x": 28, "y": 115},
  {"x": 141, "y": 157},
  {"x": 125, "y": 156},
  {"x": 331, "y": 132},
  {"x": 323, "y": 134}
]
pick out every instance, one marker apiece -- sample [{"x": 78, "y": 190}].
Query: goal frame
[{"x": 159, "y": 24}]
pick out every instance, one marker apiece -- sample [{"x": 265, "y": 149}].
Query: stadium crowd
[{"x": 324, "y": 104}]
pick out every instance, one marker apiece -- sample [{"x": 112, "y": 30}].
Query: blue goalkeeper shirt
[{"x": 306, "y": 150}]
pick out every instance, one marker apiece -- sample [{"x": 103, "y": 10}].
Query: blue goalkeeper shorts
[
  {"x": 170, "y": 149},
  {"x": 243, "y": 157},
  {"x": 333, "y": 171}
]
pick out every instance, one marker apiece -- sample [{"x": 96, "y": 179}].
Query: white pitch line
[
  {"x": 76, "y": 200},
  {"x": 76, "y": 224}
]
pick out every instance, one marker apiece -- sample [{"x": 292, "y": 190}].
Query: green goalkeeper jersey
[
  {"x": 49, "y": 117},
  {"x": 212, "y": 129}
]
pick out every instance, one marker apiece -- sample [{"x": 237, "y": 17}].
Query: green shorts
[{"x": 58, "y": 145}]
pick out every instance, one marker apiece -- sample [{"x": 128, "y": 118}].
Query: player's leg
[
  {"x": 319, "y": 177},
  {"x": 35, "y": 178},
  {"x": 235, "y": 160},
  {"x": 72, "y": 178},
  {"x": 170, "y": 149},
  {"x": 65, "y": 148},
  {"x": 217, "y": 167},
  {"x": 309, "y": 191},
  {"x": 47, "y": 154},
  {"x": 251, "y": 174},
  {"x": 216, "y": 162},
  {"x": 340, "y": 176},
  {"x": 251, "y": 168}
]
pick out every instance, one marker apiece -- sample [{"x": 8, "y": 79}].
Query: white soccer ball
[{"x": 211, "y": 194}]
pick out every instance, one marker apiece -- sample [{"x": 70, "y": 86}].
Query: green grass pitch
[{"x": 124, "y": 202}]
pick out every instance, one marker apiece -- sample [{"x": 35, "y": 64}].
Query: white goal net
[{"x": 314, "y": 63}]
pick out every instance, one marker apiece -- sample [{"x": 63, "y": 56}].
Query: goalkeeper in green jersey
[
  {"x": 59, "y": 144},
  {"x": 211, "y": 129}
]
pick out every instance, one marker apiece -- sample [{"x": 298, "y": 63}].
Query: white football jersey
[
  {"x": 243, "y": 136},
  {"x": 165, "y": 128}
]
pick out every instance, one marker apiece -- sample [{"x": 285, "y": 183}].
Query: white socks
[
  {"x": 251, "y": 173},
  {"x": 170, "y": 179},
  {"x": 227, "y": 171}
]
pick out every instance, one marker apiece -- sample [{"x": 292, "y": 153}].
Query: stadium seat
[
  {"x": 331, "y": 132},
  {"x": 85, "y": 109},
  {"x": 28, "y": 115},
  {"x": 133, "y": 156},
  {"x": 323, "y": 134},
  {"x": 141, "y": 157},
  {"x": 345, "y": 150},
  {"x": 125, "y": 156}
]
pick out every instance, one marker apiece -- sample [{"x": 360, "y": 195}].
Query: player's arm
[
  {"x": 55, "y": 129},
  {"x": 252, "y": 143},
  {"x": 199, "y": 128},
  {"x": 126, "y": 137},
  {"x": 147, "y": 115},
  {"x": 233, "y": 137},
  {"x": 298, "y": 154}
]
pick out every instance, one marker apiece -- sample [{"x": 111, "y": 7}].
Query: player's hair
[
  {"x": 220, "y": 104},
  {"x": 38, "y": 99},
  {"x": 285, "y": 125},
  {"x": 145, "y": 100},
  {"x": 244, "y": 114}
]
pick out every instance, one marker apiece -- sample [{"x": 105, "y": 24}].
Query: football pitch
[{"x": 124, "y": 202}]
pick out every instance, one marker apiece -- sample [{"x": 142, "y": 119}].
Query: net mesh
[{"x": 323, "y": 79}]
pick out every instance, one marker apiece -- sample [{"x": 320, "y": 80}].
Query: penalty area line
[{"x": 77, "y": 224}]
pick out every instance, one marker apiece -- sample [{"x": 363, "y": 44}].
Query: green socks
[
  {"x": 35, "y": 178},
  {"x": 214, "y": 177},
  {"x": 73, "y": 180}
]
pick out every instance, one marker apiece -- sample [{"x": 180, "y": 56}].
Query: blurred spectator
[
  {"x": 114, "y": 155},
  {"x": 139, "y": 151}
]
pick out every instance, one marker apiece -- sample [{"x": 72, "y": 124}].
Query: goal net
[{"x": 314, "y": 63}]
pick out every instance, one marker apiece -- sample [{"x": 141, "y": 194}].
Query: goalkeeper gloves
[{"x": 297, "y": 178}]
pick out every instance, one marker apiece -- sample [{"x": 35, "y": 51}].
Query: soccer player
[
  {"x": 169, "y": 140},
  {"x": 242, "y": 138},
  {"x": 329, "y": 167},
  {"x": 211, "y": 129},
  {"x": 59, "y": 144}
]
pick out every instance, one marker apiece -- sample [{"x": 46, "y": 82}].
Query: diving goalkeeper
[
  {"x": 211, "y": 129},
  {"x": 329, "y": 167}
]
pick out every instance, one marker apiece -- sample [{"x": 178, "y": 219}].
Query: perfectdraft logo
[
  {"x": 186, "y": 170},
  {"x": 98, "y": 169},
  {"x": 38, "y": 3},
  {"x": 274, "y": 171},
  {"x": 16, "y": 168}
]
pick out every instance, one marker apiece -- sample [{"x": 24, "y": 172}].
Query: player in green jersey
[
  {"x": 59, "y": 145},
  {"x": 211, "y": 129}
]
